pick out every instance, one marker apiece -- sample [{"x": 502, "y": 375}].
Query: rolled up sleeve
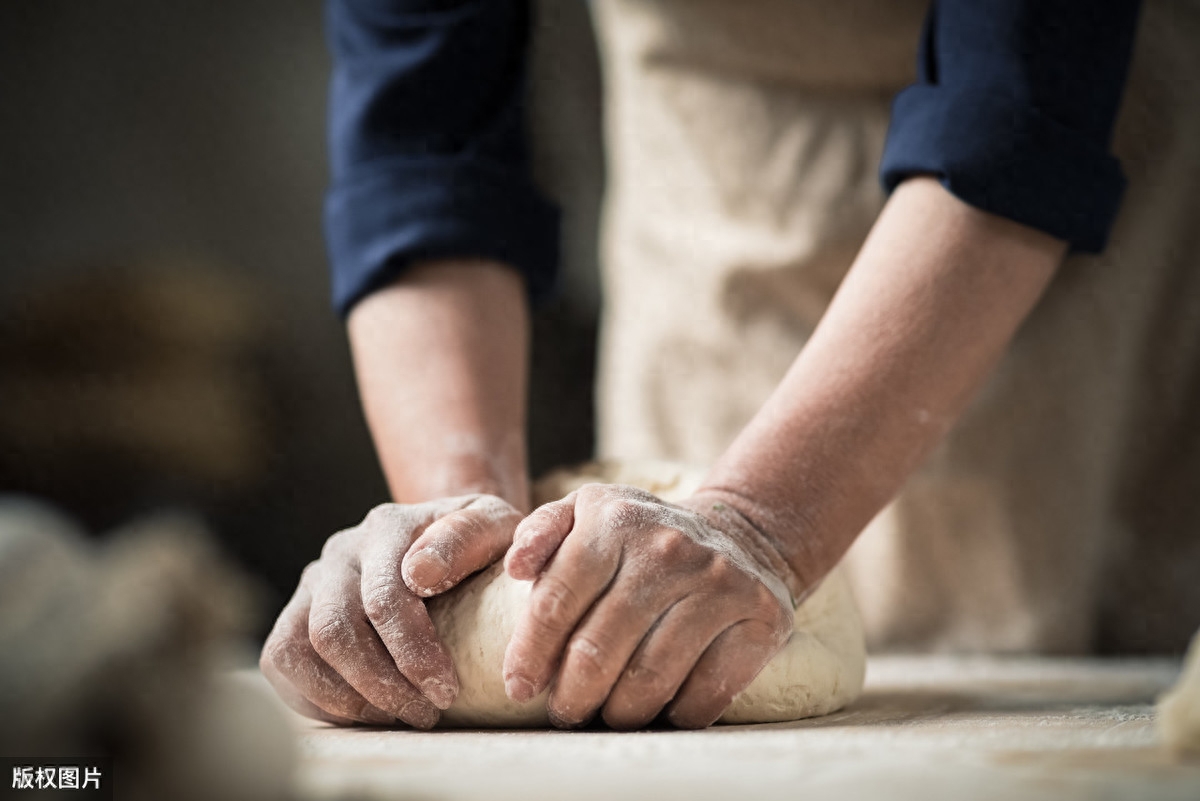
[
  {"x": 427, "y": 143},
  {"x": 1014, "y": 110}
]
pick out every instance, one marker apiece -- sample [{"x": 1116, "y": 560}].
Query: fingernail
[
  {"x": 518, "y": 689},
  {"x": 427, "y": 569},
  {"x": 439, "y": 692},
  {"x": 419, "y": 714},
  {"x": 376, "y": 717},
  {"x": 559, "y": 722},
  {"x": 680, "y": 721}
]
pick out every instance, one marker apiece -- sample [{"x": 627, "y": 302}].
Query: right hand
[{"x": 355, "y": 643}]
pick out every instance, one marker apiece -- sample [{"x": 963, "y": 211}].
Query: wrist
[
  {"x": 460, "y": 465},
  {"x": 737, "y": 516}
]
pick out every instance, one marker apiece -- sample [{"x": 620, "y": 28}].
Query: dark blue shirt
[{"x": 1013, "y": 111}]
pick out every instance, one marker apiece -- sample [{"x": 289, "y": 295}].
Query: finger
[
  {"x": 538, "y": 537},
  {"x": 726, "y": 668},
  {"x": 402, "y": 623},
  {"x": 663, "y": 660},
  {"x": 292, "y": 655},
  {"x": 292, "y": 697},
  {"x": 459, "y": 544},
  {"x": 344, "y": 638},
  {"x": 284, "y": 688},
  {"x": 599, "y": 649},
  {"x": 575, "y": 578}
]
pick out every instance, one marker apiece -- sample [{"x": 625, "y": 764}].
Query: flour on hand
[{"x": 819, "y": 671}]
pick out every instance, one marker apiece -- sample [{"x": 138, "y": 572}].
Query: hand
[
  {"x": 355, "y": 643},
  {"x": 640, "y": 605}
]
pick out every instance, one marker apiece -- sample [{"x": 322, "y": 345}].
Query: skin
[
  {"x": 441, "y": 358},
  {"x": 640, "y": 607}
]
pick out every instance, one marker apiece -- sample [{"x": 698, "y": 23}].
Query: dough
[
  {"x": 819, "y": 671},
  {"x": 1179, "y": 710}
]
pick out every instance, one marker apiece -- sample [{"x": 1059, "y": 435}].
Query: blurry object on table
[{"x": 113, "y": 651}]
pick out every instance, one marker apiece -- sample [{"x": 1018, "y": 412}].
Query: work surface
[{"x": 926, "y": 728}]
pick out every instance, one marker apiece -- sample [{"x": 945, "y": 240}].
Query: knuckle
[
  {"x": 309, "y": 574},
  {"x": 385, "y": 516},
  {"x": 621, "y": 506},
  {"x": 459, "y": 527},
  {"x": 551, "y": 603},
  {"x": 590, "y": 493},
  {"x": 622, "y": 512},
  {"x": 493, "y": 509},
  {"x": 430, "y": 511},
  {"x": 379, "y": 600},
  {"x": 772, "y": 610},
  {"x": 383, "y": 600},
  {"x": 343, "y": 704},
  {"x": 284, "y": 654},
  {"x": 587, "y": 656},
  {"x": 643, "y": 680},
  {"x": 338, "y": 544},
  {"x": 769, "y": 635},
  {"x": 669, "y": 545},
  {"x": 545, "y": 513},
  {"x": 330, "y": 630},
  {"x": 722, "y": 575},
  {"x": 760, "y": 630}
]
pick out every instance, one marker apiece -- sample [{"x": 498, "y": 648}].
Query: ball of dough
[
  {"x": 819, "y": 671},
  {"x": 1179, "y": 710}
]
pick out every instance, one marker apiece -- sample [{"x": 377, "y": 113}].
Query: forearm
[
  {"x": 933, "y": 299},
  {"x": 441, "y": 357}
]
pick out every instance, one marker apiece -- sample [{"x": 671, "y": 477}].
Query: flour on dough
[
  {"x": 819, "y": 671},
  {"x": 1179, "y": 710}
]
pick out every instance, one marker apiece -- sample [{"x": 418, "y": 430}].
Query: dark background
[{"x": 166, "y": 339}]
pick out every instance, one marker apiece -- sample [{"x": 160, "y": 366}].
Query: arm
[
  {"x": 442, "y": 362},
  {"x": 931, "y": 303},
  {"x": 1011, "y": 118},
  {"x": 932, "y": 300},
  {"x": 436, "y": 235},
  {"x": 1012, "y": 114},
  {"x": 441, "y": 356}
]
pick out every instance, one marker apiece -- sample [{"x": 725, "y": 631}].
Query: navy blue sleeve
[
  {"x": 1014, "y": 108},
  {"x": 427, "y": 142}
]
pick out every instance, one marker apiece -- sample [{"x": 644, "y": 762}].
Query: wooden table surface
[{"x": 926, "y": 728}]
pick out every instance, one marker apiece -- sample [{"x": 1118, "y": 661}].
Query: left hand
[{"x": 645, "y": 605}]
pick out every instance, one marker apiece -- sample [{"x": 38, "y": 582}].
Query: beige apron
[{"x": 1063, "y": 512}]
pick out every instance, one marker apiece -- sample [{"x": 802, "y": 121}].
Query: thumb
[
  {"x": 538, "y": 537},
  {"x": 459, "y": 544}
]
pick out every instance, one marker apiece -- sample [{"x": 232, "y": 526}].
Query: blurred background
[{"x": 166, "y": 337}]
